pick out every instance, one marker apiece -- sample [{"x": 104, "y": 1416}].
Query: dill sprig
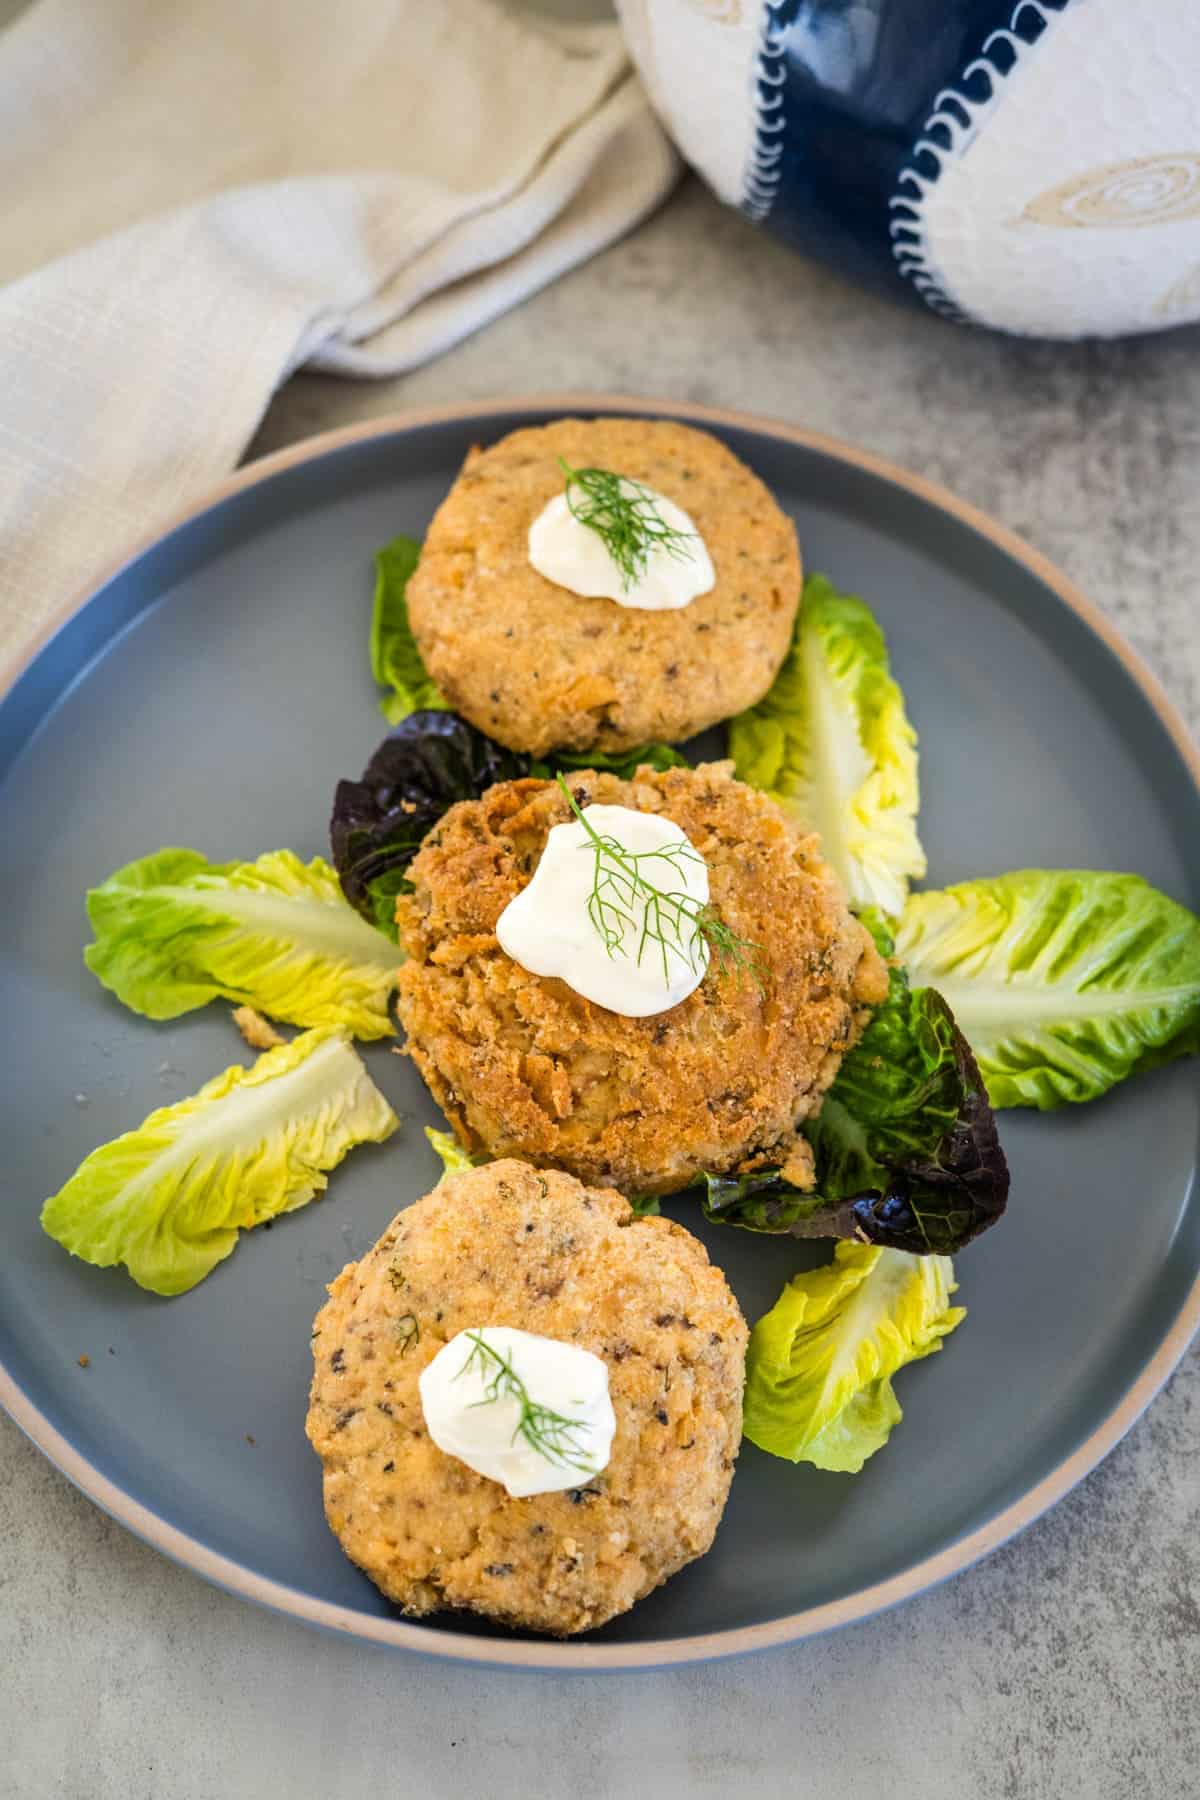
[
  {"x": 550, "y": 1433},
  {"x": 625, "y": 515},
  {"x": 672, "y": 919}
]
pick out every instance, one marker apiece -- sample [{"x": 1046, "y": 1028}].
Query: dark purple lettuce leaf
[{"x": 421, "y": 768}]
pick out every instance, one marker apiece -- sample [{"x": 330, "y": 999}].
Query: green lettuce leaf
[
  {"x": 1064, "y": 981},
  {"x": 454, "y": 1159},
  {"x": 820, "y": 1364},
  {"x": 395, "y": 660},
  {"x": 622, "y": 763},
  {"x": 905, "y": 1145},
  {"x": 382, "y": 895},
  {"x": 831, "y": 741},
  {"x": 174, "y": 931},
  {"x": 169, "y": 1199}
]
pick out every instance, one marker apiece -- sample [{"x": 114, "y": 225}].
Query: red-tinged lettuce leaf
[
  {"x": 431, "y": 760},
  {"x": 906, "y": 1149}
]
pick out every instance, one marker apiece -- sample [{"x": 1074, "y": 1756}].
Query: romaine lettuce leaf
[
  {"x": 454, "y": 1159},
  {"x": 831, "y": 741},
  {"x": 174, "y": 931},
  {"x": 905, "y": 1146},
  {"x": 1063, "y": 980},
  {"x": 395, "y": 660},
  {"x": 169, "y": 1199},
  {"x": 820, "y": 1364},
  {"x": 431, "y": 760}
]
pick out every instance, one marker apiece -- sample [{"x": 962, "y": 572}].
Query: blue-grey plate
[{"x": 211, "y": 692}]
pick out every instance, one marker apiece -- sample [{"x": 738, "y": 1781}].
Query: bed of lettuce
[{"x": 1036, "y": 988}]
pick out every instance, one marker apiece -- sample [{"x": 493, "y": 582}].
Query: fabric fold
[{"x": 245, "y": 191}]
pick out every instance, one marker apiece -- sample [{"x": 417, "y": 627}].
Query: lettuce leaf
[
  {"x": 430, "y": 761},
  {"x": 1065, "y": 981},
  {"x": 622, "y": 763},
  {"x": 169, "y": 1199},
  {"x": 174, "y": 931},
  {"x": 820, "y": 1363},
  {"x": 905, "y": 1146},
  {"x": 395, "y": 660},
  {"x": 454, "y": 1159},
  {"x": 832, "y": 742}
]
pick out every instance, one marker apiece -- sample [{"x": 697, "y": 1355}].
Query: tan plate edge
[{"x": 531, "y": 1653}]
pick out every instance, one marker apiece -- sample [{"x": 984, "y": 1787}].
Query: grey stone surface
[{"x": 1067, "y": 1665}]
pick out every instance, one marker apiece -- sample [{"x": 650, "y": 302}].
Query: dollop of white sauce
[
  {"x": 472, "y": 1413},
  {"x": 549, "y": 930},
  {"x": 574, "y": 556}
]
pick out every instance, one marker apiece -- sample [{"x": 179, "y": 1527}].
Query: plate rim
[{"x": 531, "y": 1653}]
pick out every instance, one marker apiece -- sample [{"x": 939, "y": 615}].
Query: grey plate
[{"x": 211, "y": 692}]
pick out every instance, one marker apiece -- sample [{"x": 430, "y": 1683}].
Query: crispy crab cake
[
  {"x": 524, "y": 1066},
  {"x": 539, "y": 667},
  {"x": 511, "y": 1245}
]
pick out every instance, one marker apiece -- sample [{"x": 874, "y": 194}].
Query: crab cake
[
  {"x": 540, "y": 667},
  {"x": 510, "y": 1245},
  {"x": 524, "y": 1066}
]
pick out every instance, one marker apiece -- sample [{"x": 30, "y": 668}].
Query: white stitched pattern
[
  {"x": 946, "y": 134},
  {"x": 764, "y": 170}
]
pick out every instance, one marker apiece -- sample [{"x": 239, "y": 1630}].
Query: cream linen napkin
[{"x": 200, "y": 198}]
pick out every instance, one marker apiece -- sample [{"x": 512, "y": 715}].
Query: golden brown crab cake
[
  {"x": 539, "y": 667},
  {"x": 524, "y": 1066},
  {"x": 511, "y": 1245}
]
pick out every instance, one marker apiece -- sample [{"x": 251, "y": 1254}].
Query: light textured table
[{"x": 1065, "y": 1666}]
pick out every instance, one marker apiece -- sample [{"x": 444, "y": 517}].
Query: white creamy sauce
[
  {"x": 549, "y": 929},
  {"x": 574, "y": 556},
  {"x": 530, "y": 1412}
]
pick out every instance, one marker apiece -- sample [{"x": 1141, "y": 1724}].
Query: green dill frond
[
  {"x": 551, "y": 1434},
  {"x": 625, "y": 515},
  {"x": 674, "y": 923}
]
